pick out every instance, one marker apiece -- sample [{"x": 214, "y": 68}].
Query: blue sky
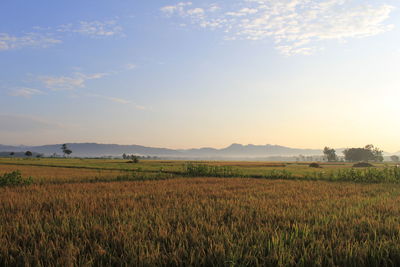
[{"x": 300, "y": 73}]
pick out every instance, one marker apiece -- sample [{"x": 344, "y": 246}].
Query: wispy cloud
[
  {"x": 130, "y": 66},
  {"x": 180, "y": 8},
  {"x": 43, "y": 37},
  {"x": 117, "y": 100},
  {"x": 110, "y": 98},
  {"x": 26, "y": 123},
  {"x": 75, "y": 81},
  {"x": 295, "y": 26},
  {"x": 26, "y": 92},
  {"x": 93, "y": 28},
  {"x": 9, "y": 42}
]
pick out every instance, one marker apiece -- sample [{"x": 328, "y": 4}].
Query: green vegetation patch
[
  {"x": 203, "y": 170},
  {"x": 14, "y": 179}
]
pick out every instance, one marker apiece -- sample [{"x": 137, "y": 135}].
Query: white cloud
[
  {"x": 214, "y": 8},
  {"x": 295, "y": 26},
  {"x": 178, "y": 8},
  {"x": 243, "y": 12},
  {"x": 93, "y": 28},
  {"x": 43, "y": 37},
  {"x": 196, "y": 12},
  {"x": 9, "y": 42},
  {"x": 77, "y": 80},
  {"x": 25, "y": 92}
]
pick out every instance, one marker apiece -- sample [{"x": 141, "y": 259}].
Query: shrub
[
  {"x": 279, "y": 174},
  {"x": 134, "y": 176},
  {"x": 14, "y": 178},
  {"x": 363, "y": 165},
  {"x": 314, "y": 165},
  {"x": 202, "y": 170},
  {"x": 370, "y": 175}
]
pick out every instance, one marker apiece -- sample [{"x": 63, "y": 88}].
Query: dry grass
[{"x": 205, "y": 221}]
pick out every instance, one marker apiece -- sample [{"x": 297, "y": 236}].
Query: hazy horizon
[
  {"x": 181, "y": 74},
  {"x": 188, "y": 148}
]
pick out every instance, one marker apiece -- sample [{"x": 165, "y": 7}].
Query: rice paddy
[{"x": 88, "y": 213}]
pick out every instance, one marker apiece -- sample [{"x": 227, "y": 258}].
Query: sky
[{"x": 180, "y": 74}]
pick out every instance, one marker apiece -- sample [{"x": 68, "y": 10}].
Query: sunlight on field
[
  {"x": 101, "y": 166},
  {"x": 115, "y": 212},
  {"x": 201, "y": 221},
  {"x": 58, "y": 174}
]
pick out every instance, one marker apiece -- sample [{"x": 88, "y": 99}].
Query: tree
[
  {"x": 378, "y": 154},
  {"x": 124, "y": 156},
  {"x": 28, "y": 154},
  {"x": 12, "y": 154},
  {"x": 395, "y": 158},
  {"x": 330, "y": 154},
  {"x": 135, "y": 159},
  {"x": 368, "y": 153},
  {"x": 66, "y": 150}
]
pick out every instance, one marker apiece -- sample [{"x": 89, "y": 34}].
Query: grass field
[
  {"x": 71, "y": 216},
  {"x": 246, "y": 168}
]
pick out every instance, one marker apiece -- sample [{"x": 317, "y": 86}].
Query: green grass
[
  {"x": 14, "y": 179},
  {"x": 245, "y": 168},
  {"x": 267, "y": 170}
]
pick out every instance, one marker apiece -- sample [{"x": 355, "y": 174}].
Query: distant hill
[
  {"x": 92, "y": 149},
  {"x": 231, "y": 152},
  {"x": 238, "y": 150}
]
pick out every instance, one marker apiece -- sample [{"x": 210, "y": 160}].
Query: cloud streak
[
  {"x": 110, "y": 98},
  {"x": 26, "y": 92},
  {"x": 117, "y": 100},
  {"x": 10, "y": 42},
  {"x": 294, "y": 26},
  {"x": 94, "y": 28},
  {"x": 46, "y": 37},
  {"x": 75, "y": 81}
]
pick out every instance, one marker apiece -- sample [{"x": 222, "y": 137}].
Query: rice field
[
  {"x": 59, "y": 174},
  {"x": 174, "y": 166},
  {"x": 183, "y": 221}
]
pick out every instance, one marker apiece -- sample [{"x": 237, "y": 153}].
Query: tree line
[{"x": 367, "y": 153}]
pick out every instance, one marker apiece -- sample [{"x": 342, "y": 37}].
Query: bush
[
  {"x": 134, "y": 176},
  {"x": 363, "y": 165},
  {"x": 201, "y": 170},
  {"x": 279, "y": 174},
  {"x": 135, "y": 159},
  {"x": 14, "y": 178},
  {"x": 314, "y": 165},
  {"x": 370, "y": 175}
]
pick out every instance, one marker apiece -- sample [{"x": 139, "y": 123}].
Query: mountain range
[{"x": 234, "y": 151}]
